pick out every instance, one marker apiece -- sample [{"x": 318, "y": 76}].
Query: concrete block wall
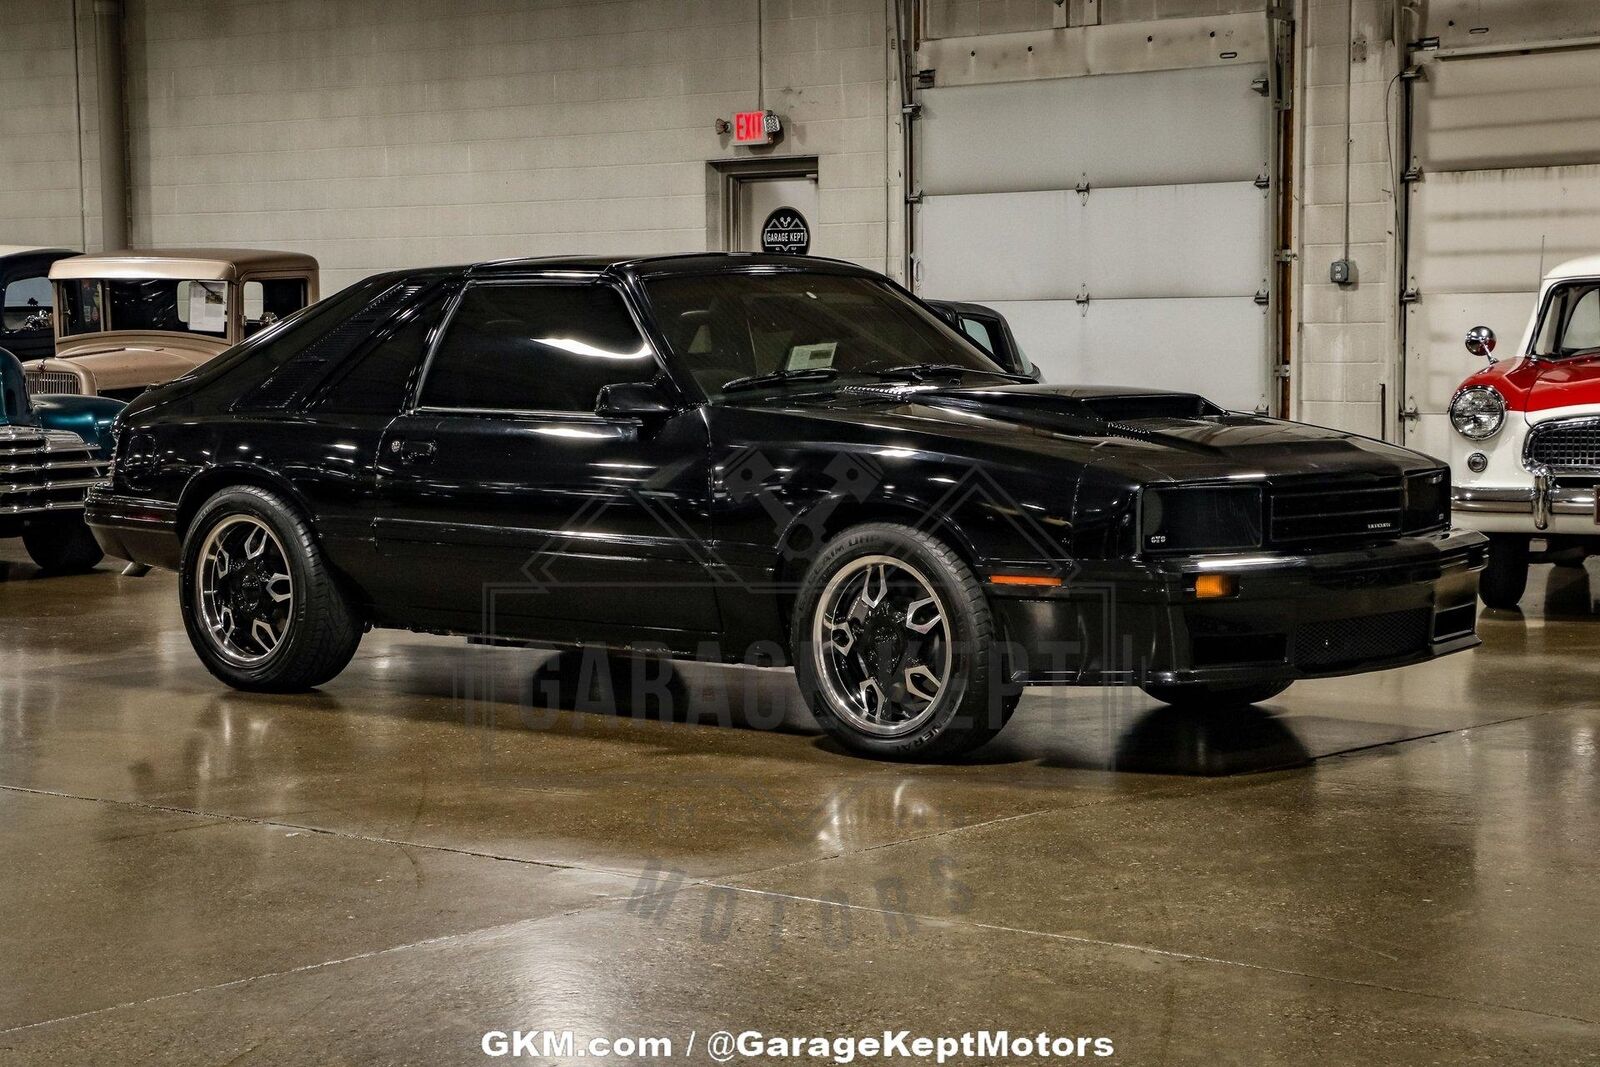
[
  {"x": 383, "y": 133},
  {"x": 1345, "y": 352},
  {"x": 45, "y": 70}
]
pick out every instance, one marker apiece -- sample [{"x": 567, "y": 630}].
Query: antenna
[{"x": 1539, "y": 281}]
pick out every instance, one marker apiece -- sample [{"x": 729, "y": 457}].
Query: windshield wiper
[
  {"x": 918, "y": 372},
  {"x": 779, "y": 377}
]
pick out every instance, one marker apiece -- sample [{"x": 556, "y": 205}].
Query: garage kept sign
[{"x": 786, "y": 232}]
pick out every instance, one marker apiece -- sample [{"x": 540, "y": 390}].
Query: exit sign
[{"x": 755, "y": 127}]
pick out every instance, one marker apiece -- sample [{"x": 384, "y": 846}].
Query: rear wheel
[
  {"x": 1203, "y": 697},
  {"x": 262, "y": 609},
  {"x": 1505, "y": 578},
  {"x": 895, "y": 649},
  {"x": 61, "y": 543}
]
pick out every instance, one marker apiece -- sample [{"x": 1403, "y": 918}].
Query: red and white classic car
[{"x": 1526, "y": 455}]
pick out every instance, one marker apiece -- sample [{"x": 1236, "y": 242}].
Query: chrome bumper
[{"x": 1543, "y": 500}]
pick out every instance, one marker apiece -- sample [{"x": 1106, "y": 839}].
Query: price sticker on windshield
[{"x": 811, "y": 357}]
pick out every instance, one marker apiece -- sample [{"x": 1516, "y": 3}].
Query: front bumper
[
  {"x": 1291, "y": 616},
  {"x": 133, "y": 528},
  {"x": 1545, "y": 507}
]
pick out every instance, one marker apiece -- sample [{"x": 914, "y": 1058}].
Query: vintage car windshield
[
  {"x": 742, "y": 326},
  {"x": 1571, "y": 325},
  {"x": 167, "y": 305}
]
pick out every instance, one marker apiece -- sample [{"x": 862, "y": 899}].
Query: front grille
[
  {"x": 1334, "y": 643},
  {"x": 1565, "y": 445},
  {"x": 45, "y": 470},
  {"x": 1326, "y": 513},
  {"x": 52, "y": 381}
]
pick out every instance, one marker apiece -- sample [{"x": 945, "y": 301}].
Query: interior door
[
  {"x": 506, "y": 499},
  {"x": 758, "y": 202}
]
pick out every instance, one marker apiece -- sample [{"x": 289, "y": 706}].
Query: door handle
[{"x": 414, "y": 451}]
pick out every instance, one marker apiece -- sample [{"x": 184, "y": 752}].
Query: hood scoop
[{"x": 1105, "y": 406}]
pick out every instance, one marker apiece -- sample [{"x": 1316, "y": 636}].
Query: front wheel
[
  {"x": 1207, "y": 697},
  {"x": 61, "y": 543},
  {"x": 895, "y": 646},
  {"x": 262, "y": 608},
  {"x": 1505, "y": 578}
]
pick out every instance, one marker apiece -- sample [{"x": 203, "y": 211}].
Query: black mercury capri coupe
[{"x": 765, "y": 460}]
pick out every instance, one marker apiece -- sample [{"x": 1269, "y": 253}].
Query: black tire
[
  {"x": 1206, "y": 697},
  {"x": 321, "y": 628},
  {"x": 972, "y": 705},
  {"x": 61, "y": 544},
  {"x": 1505, "y": 579}
]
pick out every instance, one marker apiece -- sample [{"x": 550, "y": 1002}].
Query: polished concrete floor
[{"x": 1393, "y": 869}]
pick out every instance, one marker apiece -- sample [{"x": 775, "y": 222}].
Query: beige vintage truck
[{"x": 125, "y": 321}]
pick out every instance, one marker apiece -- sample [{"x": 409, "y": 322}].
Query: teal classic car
[{"x": 52, "y": 448}]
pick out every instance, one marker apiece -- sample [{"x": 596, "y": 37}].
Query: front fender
[{"x": 90, "y": 417}]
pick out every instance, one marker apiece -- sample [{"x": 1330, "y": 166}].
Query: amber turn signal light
[
  {"x": 1043, "y": 580},
  {"x": 1211, "y": 586}
]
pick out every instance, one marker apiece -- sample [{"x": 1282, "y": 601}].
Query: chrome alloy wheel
[
  {"x": 243, "y": 590},
  {"x": 882, "y": 642}
]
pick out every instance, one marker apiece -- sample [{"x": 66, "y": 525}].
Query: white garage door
[
  {"x": 1508, "y": 147},
  {"x": 1115, "y": 219}
]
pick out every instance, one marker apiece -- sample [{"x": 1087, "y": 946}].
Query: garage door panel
[
  {"x": 1160, "y": 241},
  {"x": 1214, "y": 347},
  {"x": 1499, "y": 111},
  {"x": 1176, "y": 240},
  {"x": 1488, "y": 231},
  {"x": 990, "y": 246},
  {"x": 1159, "y": 127}
]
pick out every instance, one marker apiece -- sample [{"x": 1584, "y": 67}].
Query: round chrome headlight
[{"x": 1477, "y": 412}]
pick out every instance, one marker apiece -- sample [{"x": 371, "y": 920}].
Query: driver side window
[
  {"x": 1572, "y": 321},
  {"x": 1583, "y": 325},
  {"x": 536, "y": 347}
]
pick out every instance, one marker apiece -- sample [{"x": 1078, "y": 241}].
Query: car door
[{"x": 507, "y": 504}]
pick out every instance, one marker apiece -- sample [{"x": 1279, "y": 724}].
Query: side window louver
[{"x": 290, "y": 382}]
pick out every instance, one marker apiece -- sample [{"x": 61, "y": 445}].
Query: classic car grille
[
  {"x": 1342, "y": 642},
  {"x": 52, "y": 381},
  {"x": 1566, "y": 445},
  {"x": 45, "y": 470},
  {"x": 1327, "y": 513}
]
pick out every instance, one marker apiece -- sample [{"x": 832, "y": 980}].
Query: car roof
[
  {"x": 677, "y": 263},
  {"x": 209, "y": 264},
  {"x": 1583, "y": 267},
  {"x": 25, "y": 250},
  {"x": 963, "y": 307}
]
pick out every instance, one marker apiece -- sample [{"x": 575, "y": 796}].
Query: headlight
[
  {"x": 1477, "y": 412},
  {"x": 1200, "y": 519}
]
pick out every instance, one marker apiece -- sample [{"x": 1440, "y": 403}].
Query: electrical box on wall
[{"x": 1342, "y": 272}]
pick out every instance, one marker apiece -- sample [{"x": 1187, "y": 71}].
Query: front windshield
[
  {"x": 1571, "y": 325},
  {"x": 737, "y": 326},
  {"x": 159, "y": 304}
]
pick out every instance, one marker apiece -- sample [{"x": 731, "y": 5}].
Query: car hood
[
  {"x": 1534, "y": 386},
  {"x": 1564, "y": 383},
  {"x": 1150, "y": 434},
  {"x": 128, "y": 366}
]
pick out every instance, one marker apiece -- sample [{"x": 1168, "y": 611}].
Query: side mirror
[
  {"x": 1480, "y": 342},
  {"x": 633, "y": 400}
]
